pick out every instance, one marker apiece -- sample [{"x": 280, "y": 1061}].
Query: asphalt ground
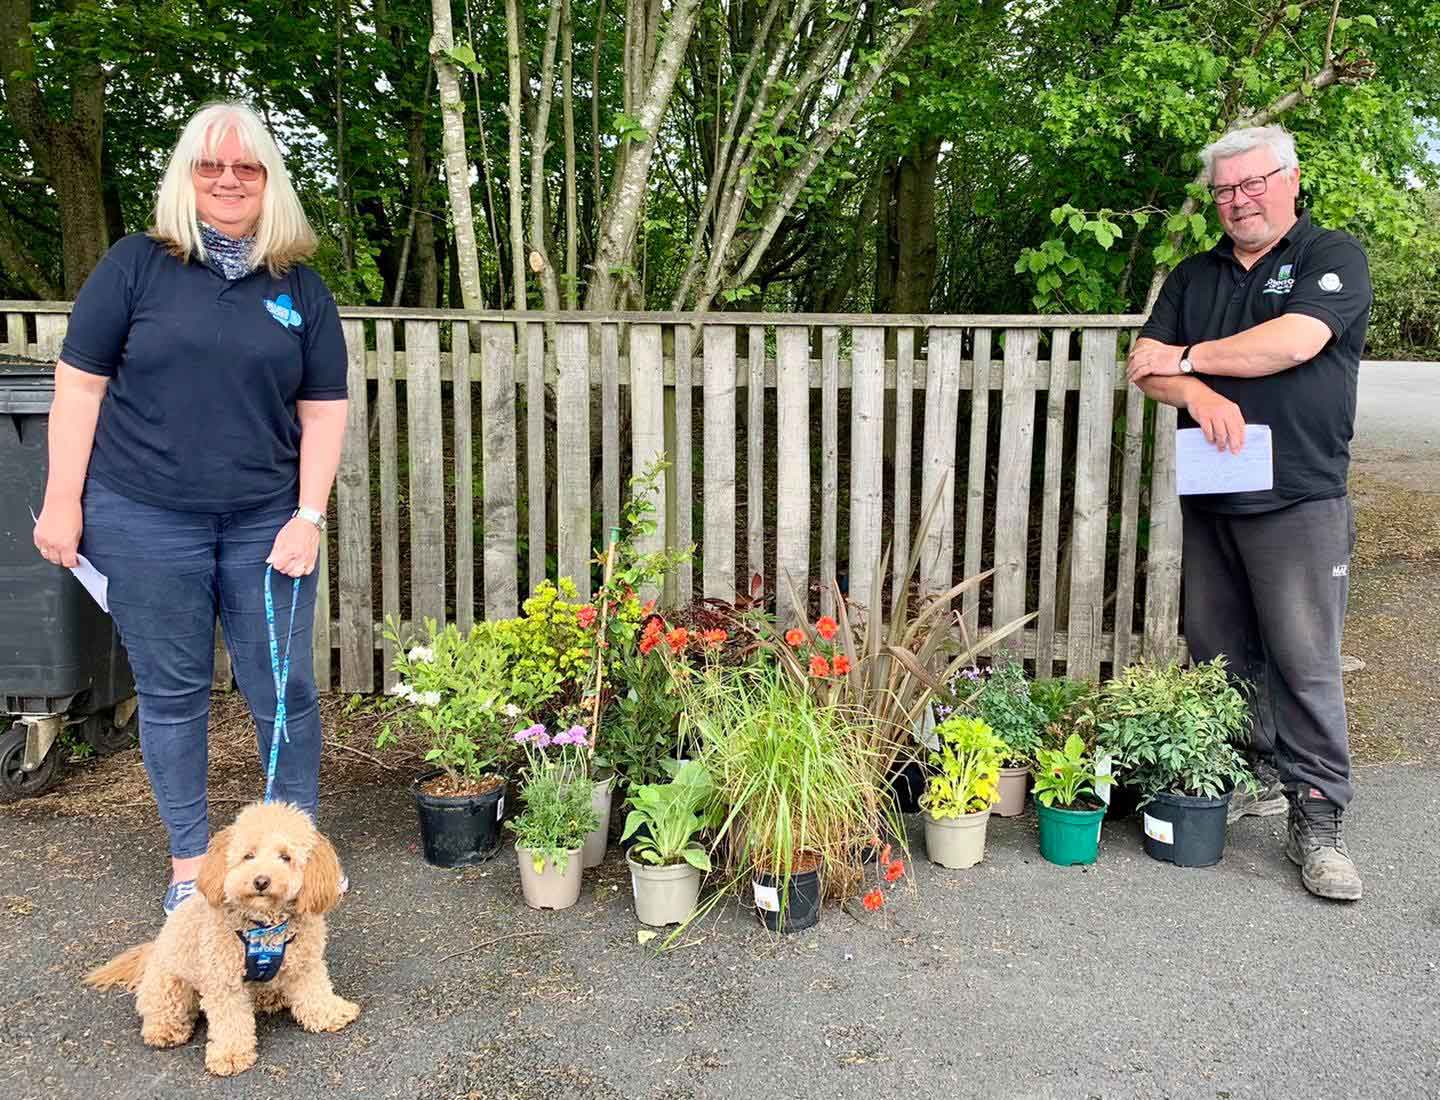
[
  {"x": 1132, "y": 978},
  {"x": 1018, "y": 979}
]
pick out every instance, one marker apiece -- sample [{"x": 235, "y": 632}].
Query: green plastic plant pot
[{"x": 1068, "y": 837}]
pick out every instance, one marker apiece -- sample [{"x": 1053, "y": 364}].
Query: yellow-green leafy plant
[{"x": 968, "y": 759}]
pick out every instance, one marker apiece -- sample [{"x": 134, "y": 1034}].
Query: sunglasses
[{"x": 246, "y": 171}]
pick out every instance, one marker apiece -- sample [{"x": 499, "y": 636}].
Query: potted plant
[
  {"x": 958, "y": 799},
  {"x": 1067, "y": 807},
  {"x": 886, "y": 671},
  {"x": 459, "y": 691},
  {"x": 1171, "y": 732},
  {"x": 795, "y": 787},
  {"x": 1003, "y": 703},
  {"x": 667, "y": 860},
  {"x": 550, "y": 832}
]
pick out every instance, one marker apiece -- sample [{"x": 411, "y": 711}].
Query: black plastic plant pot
[
  {"x": 908, "y": 783},
  {"x": 788, "y": 910},
  {"x": 1185, "y": 830},
  {"x": 457, "y": 832}
]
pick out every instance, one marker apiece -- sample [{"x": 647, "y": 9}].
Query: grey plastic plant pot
[{"x": 664, "y": 895}]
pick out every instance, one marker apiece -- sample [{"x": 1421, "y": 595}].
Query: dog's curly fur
[{"x": 270, "y": 865}]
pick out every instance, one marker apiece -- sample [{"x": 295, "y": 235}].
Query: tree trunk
[
  {"x": 915, "y": 224},
  {"x": 457, "y": 164},
  {"x": 66, "y": 150},
  {"x": 626, "y": 200},
  {"x": 572, "y": 250},
  {"x": 517, "y": 212}
]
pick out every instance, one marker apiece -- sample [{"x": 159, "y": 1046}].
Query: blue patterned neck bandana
[{"x": 229, "y": 255}]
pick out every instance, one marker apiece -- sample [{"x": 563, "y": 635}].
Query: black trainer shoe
[
  {"x": 1268, "y": 799},
  {"x": 1314, "y": 844}
]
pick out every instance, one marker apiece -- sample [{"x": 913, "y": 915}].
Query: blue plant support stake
[{"x": 280, "y": 672}]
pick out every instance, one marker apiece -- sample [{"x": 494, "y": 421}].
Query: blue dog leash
[{"x": 280, "y": 672}]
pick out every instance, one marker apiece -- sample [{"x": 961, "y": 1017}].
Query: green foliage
[
  {"x": 464, "y": 693},
  {"x": 1059, "y": 697},
  {"x": 558, "y": 813},
  {"x": 969, "y": 761},
  {"x": 638, "y": 734},
  {"x": 547, "y": 645},
  {"x": 789, "y": 771},
  {"x": 1065, "y": 774},
  {"x": 1005, "y": 705},
  {"x": 1172, "y": 729},
  {"x": 673, "y": 814}
]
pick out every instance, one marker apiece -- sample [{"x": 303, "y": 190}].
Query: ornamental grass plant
[{"x": 795, "y": 783}]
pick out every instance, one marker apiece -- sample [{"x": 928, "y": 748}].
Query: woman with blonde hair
[{"x": 196, "y": 427}]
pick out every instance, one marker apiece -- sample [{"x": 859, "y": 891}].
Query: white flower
[
  {"x": 401, "y": 690},
  {"x": 421, "y": 653},
  {"x": 426, "y": 698},
  {"x": 512, "y": 711}
]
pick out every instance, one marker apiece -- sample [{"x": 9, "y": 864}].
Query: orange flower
[
  {"x": 649, "y": 642},
  {"x": 841, "y": 664},
  {"x": 586, "y": 616},
  {"x": 826, "y": 627},
  {"x": 678, "y": 639},
  {"x": 819, "y": 666},
  {"x": 885, "y": 853},
  {"x": 874, "y": 900},
  {"x": 894, "y": 870},
  {"x": 714, "y": 638},
  {"x": 795, "y": 636},
  {"x": 653, "y": 628},
  {"x": 648, "y": 609}
]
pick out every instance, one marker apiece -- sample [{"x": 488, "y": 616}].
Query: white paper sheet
[
  {"x": 95, "y": 582},
  {"x": 1201, "y": 468}
]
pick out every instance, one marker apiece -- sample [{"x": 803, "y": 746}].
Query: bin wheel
[
  {"x": 104, "y": 736},
  {"x": 15, "y": 782}
]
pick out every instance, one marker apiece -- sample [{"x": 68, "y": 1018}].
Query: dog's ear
[
  {"x": 321, "y": 888},
  {"x": 211, "y": 880}
]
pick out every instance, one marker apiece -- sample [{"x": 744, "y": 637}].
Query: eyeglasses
[
  {"x": 1255, "y": 186},
  {"x": 246, "y": 171}
]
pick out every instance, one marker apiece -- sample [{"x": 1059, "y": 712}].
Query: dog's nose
[{"x": 262, "y": 882}]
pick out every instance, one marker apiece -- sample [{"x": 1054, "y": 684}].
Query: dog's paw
[
  {"x": 227, "y": 1063},
  {"x": 166, "y": 1035},
  {"x": 333, "y": 1016}
]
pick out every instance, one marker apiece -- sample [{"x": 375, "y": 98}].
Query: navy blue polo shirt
[
  {"x": 1310, "y": 408},
  {"x": 200, "y": 415}
]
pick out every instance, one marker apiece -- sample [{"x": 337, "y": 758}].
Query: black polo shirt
[
  {"x": 204, "y": 374},
  {"x": 1310, "y": 408}
]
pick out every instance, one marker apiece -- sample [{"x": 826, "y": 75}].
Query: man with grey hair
[{"x": 1267, "y": 328}]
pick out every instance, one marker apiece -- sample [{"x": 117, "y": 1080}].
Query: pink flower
[{"x": 586, "y": 616}]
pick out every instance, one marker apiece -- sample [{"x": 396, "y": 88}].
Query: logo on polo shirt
[
  {"x": 1281, "y": 282},
  {"x": 1331, "y": 282},
  {"x": 283, "y": 311}
]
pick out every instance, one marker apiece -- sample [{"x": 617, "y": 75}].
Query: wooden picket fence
[{"x": 1054, "y": 494}]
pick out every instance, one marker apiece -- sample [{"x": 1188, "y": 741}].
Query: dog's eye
[
  {"x": 284, "y": 858},
  {"x": 249, "y": 855}
]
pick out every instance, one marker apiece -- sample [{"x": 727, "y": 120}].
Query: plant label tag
[
  {"x": 1102, "y": 788},
  {"x": 500, "y": 808},
  {"x": 767, "y": 898},
  {"x": 1162, "y": 832}
]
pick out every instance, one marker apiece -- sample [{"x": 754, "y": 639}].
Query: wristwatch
[
  {"x": 309, "y": 515},
  {"x": 1186, "y": 367}
]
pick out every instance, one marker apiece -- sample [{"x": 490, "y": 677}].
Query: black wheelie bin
[{"x": 61, "y": 661}]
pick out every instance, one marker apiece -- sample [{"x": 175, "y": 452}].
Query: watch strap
[{"x": 311, "y": 516}]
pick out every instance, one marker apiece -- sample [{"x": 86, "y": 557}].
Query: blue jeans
[{"x": 169, "y": 573}]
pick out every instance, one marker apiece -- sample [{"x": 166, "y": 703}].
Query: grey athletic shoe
[
  {"x": 1267, "y": 801},
  {"x": 1315, "y": 845}
]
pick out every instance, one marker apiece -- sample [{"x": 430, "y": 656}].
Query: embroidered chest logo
[
  {"x": 1282, "y": 282},
  {"x": 283, "y": 311},
  {"x": 1341, "y": 570}
]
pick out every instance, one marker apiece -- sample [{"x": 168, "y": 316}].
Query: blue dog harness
[{"x": 265, "y": 950}]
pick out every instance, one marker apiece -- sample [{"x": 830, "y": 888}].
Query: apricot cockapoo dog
[{"x": 270, "y": 866}]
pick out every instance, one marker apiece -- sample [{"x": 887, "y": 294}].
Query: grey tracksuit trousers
[{"x": 1269, "y": 592}]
